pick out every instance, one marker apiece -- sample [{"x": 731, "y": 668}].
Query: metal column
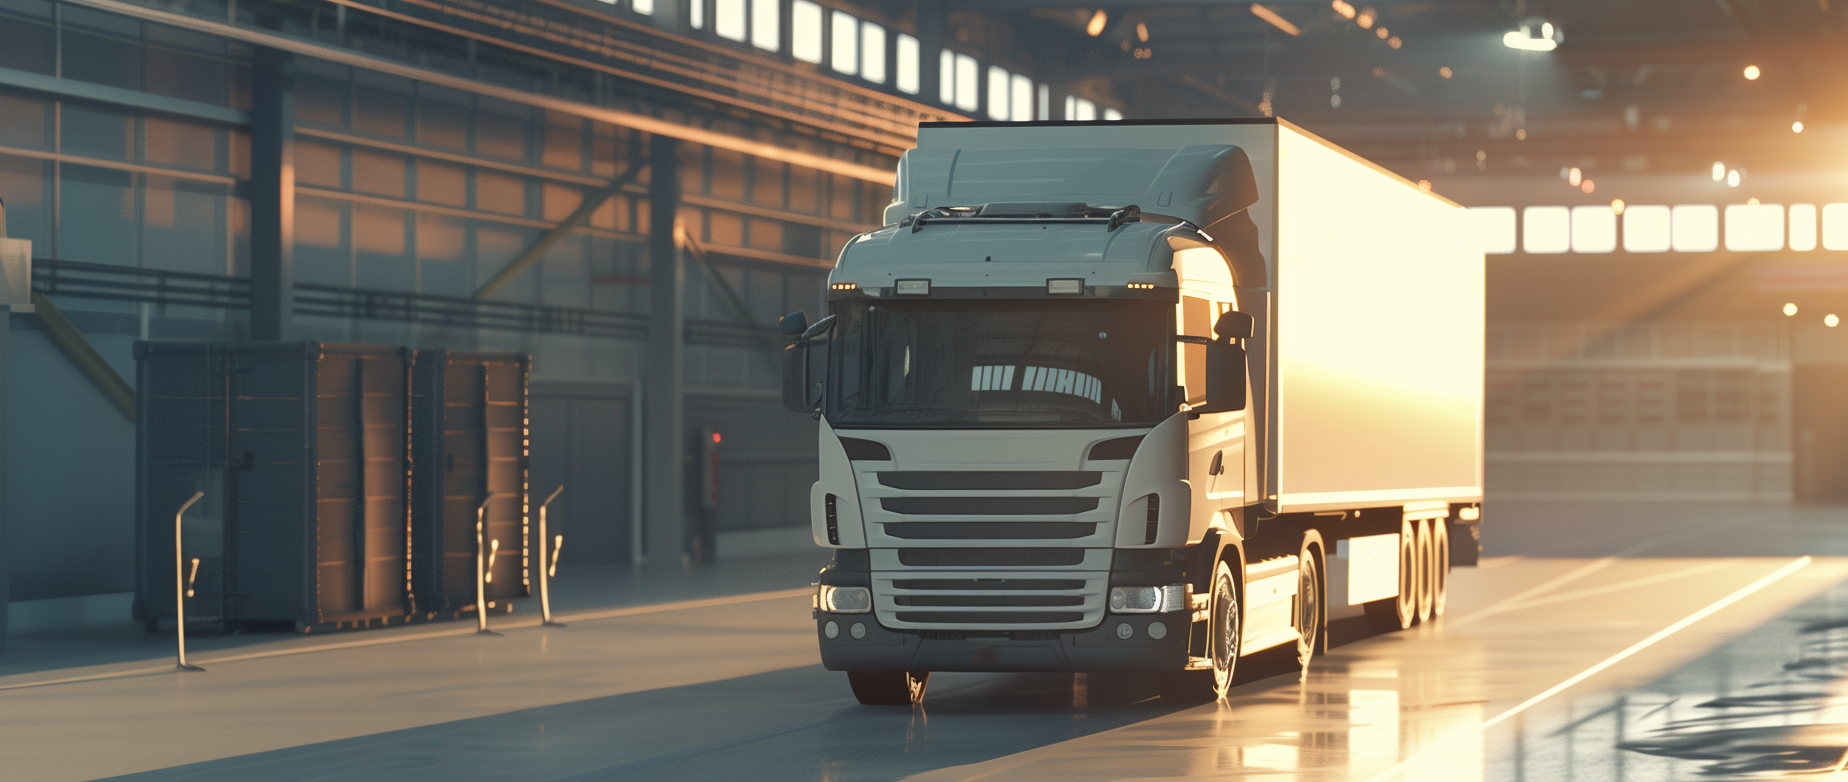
[
  {"x": 272, "y": 192},
  {"x": 18, "y": 254},
  {"x": 662, "y": 373},
  {"x": 6, "y": 552},
  {"x": 931, "y": 24}
]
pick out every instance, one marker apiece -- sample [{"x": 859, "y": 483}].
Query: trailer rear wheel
[
  {"x": 1405, "y": 606},
  {"x": 888, "y": 688},
  {"x": 1427, "y": 573},
  {"x": 1440, "y": 566}
]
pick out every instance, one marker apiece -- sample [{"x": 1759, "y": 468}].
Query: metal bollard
[
  {"x": 548, "y": 567},
  {"x": 481, "y": 567},
  {"x": 181, "y": 586}
]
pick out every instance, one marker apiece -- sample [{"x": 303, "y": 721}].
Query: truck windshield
[{"x": 1003, "y": 364}]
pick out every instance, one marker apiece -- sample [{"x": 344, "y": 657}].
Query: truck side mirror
[
  {"x": 1225, "y": 376},
  {"x": 801, "y": 385},
  {"x": 1233, "y": 325}
]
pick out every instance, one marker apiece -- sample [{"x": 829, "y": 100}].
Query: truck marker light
[
  {"x": 911, "y": 287},
  {"x": 1071, "y": 287},
  {"x": 844, "y": 286},
  {"x": 1142, "y": 286}
]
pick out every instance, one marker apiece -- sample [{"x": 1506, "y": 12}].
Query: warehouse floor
[{"x": 1596, "y": 642}]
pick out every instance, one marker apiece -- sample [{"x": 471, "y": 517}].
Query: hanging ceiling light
[{"x": 1535, "y": 35}]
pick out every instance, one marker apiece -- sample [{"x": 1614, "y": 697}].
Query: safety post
[
  {"x": 548, "y": 566},
  {"x": 484, "y": 559},
  {"x": 180, "y": 590}
]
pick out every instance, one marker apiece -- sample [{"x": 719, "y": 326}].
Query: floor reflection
[{"x": 1772, "y": 703}]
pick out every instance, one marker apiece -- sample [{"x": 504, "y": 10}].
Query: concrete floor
[{"x": 1598, "y": 642}]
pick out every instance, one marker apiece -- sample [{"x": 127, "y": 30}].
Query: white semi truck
[{"x": 1125, "y": 396}]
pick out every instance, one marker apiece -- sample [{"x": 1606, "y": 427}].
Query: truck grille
[
  {"x": 984, "y": 551},
  {"x": 989, "y": 530},
  {"x": 968, "y": 601},
  {"x": 990, "y": 557}
]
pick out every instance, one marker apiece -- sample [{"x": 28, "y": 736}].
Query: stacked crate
[{"x": 309, "y": 454}]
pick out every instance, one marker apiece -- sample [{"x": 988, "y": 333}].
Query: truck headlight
[
  {"x": 845, "y": 600},
  {"x": 1148, "y": 600}
]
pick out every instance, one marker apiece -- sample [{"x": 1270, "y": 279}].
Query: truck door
[{"x": 1216, "y": 441}]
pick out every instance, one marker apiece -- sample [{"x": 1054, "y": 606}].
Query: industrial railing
[{"x": 80, "y": 280}]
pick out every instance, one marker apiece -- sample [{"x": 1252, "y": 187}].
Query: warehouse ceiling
[{"x": 1640, "y": 86}]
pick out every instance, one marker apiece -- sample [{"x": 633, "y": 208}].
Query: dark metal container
[
  {"x": 470, "y": 412},
  {"x": 302, "y": 450}
]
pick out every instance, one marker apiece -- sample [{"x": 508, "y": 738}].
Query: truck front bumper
[{"x": 1096, "y": 650}]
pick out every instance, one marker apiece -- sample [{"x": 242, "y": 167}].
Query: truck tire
[
  {"x": 1405, "y": 606},
  {"x": 1310, "y": 599},
  {"x": 888, "y": 688},
  {"x": 1426, "y": 573},
  {"x": 1225, "y": 627},
  {"x": 1440, "y": 566}
]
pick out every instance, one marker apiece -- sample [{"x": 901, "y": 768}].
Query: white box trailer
[{"x": 1138, "y": 396}]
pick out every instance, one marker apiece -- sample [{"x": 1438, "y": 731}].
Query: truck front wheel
[
  {"x": 1309, "y": 599},
  {"x": 888, "y": 688},
  {"x": 1224, "y": 628}
]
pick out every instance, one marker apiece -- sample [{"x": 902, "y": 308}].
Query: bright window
[
  {"x": 1754, "y": 227},
  {"x": 1546, "y": 229},
  {"x": 1835, "y": 227},
  {"x": 1077, "y": 108},
  {"x": 1045, "y": 102},
  {"x": 1491, "y": 228},
  {"x": 846, "y": 35},
  {"x": 1112, "y": 114},
  {"x": 1645, "y": 229},
  {"x": 1695, "y": 228},
  {"x": 728, "y": 19},
  {"x": 946, "y": 78},
  {"x": 968, "y": 92},
  {"x": 998, "y": 102},
  {"x": 1802, "y": 227},
  {"x": 765, "y": 33},
  {"x": 804, "y": 30},
  {"x": 1594, "y": 229},
  {"x": 908, "y": 65},
  {"x": 1022, "y": 109},
  {"x": 696, "y": 15},
  {"x": 644, "y": 7},
  {"x": 872, "y": 53}
]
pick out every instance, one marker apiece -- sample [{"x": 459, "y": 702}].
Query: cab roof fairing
[
  {"x": 1014, "y": 255},
  {"x": 1211, "y": 186}
]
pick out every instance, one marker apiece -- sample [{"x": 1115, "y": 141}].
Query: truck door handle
[{"x": 1218, "y": 463}]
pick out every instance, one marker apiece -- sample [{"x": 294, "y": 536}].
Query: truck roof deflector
[{"x": 992, "y": 214}]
